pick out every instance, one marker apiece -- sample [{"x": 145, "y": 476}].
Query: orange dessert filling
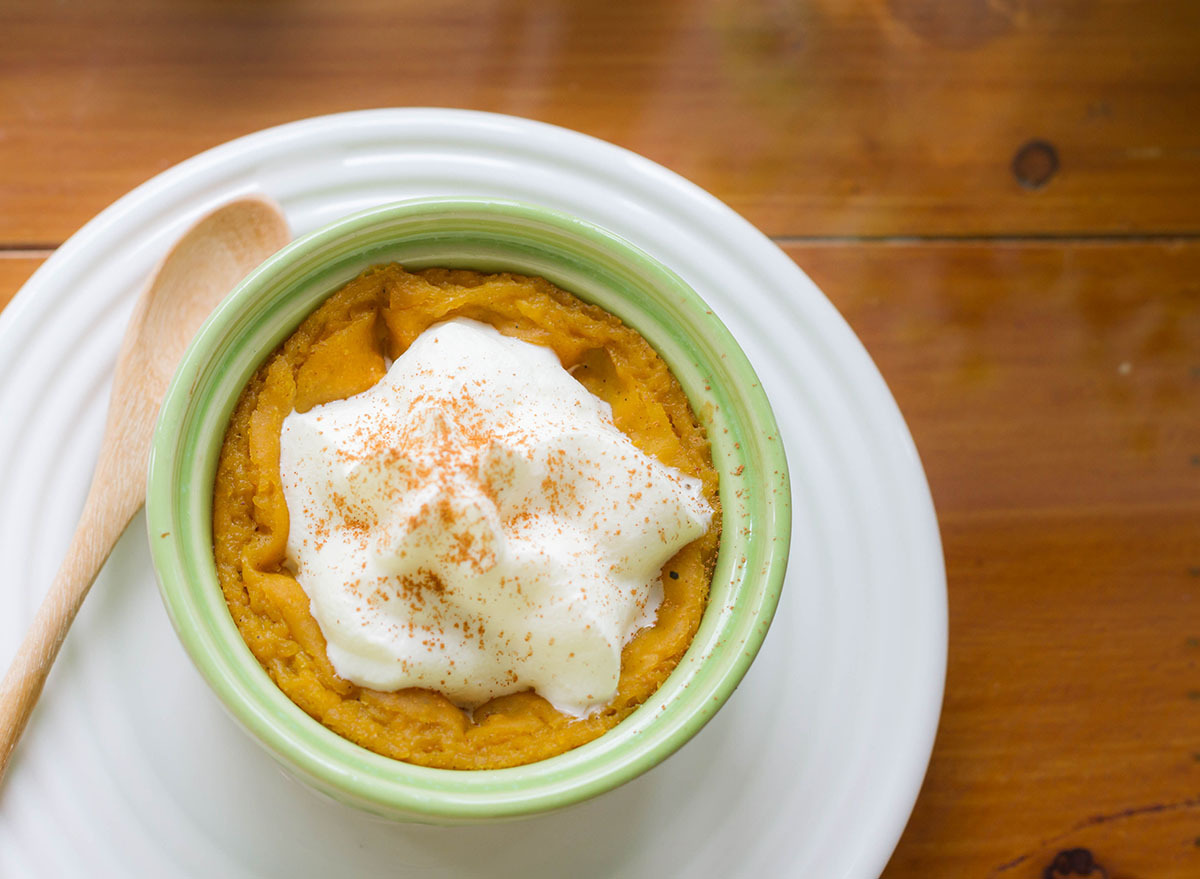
[{"x": 343, "y": 349}]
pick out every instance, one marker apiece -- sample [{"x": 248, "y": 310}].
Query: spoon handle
[{"x": 106, "y": 514}]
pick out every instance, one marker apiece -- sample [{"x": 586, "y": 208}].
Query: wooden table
[{"x": 1001, "y": 196}]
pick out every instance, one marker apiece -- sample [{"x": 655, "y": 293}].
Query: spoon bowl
[{"x": 204, "y": 265}]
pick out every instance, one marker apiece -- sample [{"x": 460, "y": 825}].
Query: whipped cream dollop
[{"x": 475, "y": 524}]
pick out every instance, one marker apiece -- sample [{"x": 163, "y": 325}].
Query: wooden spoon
[{"x": 210, "y": 259}]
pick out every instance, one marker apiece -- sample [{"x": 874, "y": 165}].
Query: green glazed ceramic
[{"x": 485, "y": 235}]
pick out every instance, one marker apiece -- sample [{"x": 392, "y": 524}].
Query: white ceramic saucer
[{"x": 130, "y": 768}]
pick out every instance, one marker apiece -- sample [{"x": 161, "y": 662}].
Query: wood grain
[
  {"x": 1053, "y": 392},
  {"x": 811, "y": 117},
  {"x": 15, "y": 270}
]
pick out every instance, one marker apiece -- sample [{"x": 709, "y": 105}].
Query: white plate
[{"x": 130, "y": 767}]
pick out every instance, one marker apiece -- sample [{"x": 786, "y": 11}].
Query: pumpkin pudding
[{"x": 466, "y": 521}]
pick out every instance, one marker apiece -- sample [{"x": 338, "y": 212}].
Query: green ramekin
[{"x": 486, "y": 235}]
